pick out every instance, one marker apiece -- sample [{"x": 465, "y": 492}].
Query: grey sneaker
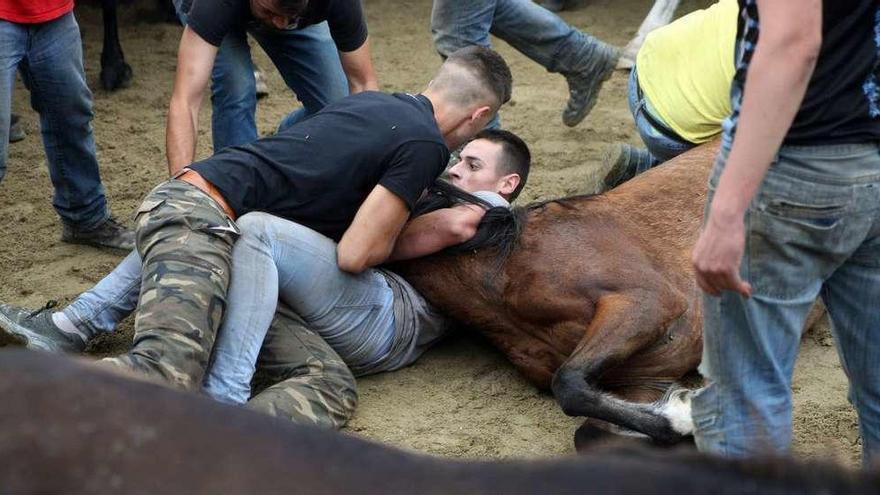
[
  {"x": 624, "y": 162},
  {"x": 584, "y": 86},
  {"x": 553, "y": 5},
  {"x": 36, "y": 330},
  {"x": 16, "y": 131},
  {"x": 110, "y": 234}
]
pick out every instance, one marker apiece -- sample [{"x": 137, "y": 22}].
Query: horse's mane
[{"x": 500, "y": 229}]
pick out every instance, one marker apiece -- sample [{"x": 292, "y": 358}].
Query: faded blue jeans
[
  {"x": 49, "y": 58},
  {"x": 274, "y": 258},
  {"x": 663, "y": 143},
  {"x": 279, "y": 259},
  {"x": 813, "y": 229},
  {"x": 533, "y": 30},
  {"x": 307, "y": 60}
]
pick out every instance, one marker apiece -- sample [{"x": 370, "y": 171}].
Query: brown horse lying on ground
[
  {"x": 592, "y": 296},
  {"x": 72, "y": 428}
]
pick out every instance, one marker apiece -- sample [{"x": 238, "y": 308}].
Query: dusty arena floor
[{"x": 462, "y": 398}]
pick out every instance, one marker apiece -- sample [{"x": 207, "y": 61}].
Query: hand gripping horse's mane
[{"x": 500, "y": 229}]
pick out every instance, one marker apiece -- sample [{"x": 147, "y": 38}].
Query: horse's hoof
[{"x": 116, "y": 76}]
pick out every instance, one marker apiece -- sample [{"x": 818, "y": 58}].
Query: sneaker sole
[{"x": 13, "y": 334}]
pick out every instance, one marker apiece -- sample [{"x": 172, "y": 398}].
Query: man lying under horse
[
  {"x": 352, "y": 172},
  {"x": 356, "y": 324}
]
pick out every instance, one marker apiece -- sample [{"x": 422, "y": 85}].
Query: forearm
[
  {"x": 436, "y": 231},
  {"x": 180, "y": 135},
  {"x": 772, "y": 96},
  {"x": 358, "y": 68}
]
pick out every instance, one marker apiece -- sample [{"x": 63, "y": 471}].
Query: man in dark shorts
[
  {"x": 321, "y": 50},
  {"x": 351, "y": 172}
]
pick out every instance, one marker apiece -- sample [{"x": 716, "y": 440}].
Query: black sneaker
[
  {"x": 553, "y": 5},
  {"x": 583, "y": 87},
  {"x": 110, "y": 234},
  {"x": 16, "y": 131},
  {"x": 36, "y": 330}
]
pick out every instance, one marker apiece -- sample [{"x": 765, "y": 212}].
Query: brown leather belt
[{"x": 194, "y": 178}]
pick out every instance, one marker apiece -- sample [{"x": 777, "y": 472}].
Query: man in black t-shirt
[
  {"x": 351, "y": 172},
  {"x": 794, "y": 213},
  {"x": 321, "y": 50}
]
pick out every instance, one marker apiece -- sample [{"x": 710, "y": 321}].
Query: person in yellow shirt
[{"x": 679, "y": 89}]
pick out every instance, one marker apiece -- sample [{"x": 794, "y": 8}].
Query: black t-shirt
[
  {"x": 319, "y": 171},
  {"x": 212, "y": 19},
  {"x": 842, "y": 102}
]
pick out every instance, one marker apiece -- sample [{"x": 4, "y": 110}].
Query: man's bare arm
[
  {"x": 195, "y": 60},
  {"x": 780, "y": 70},
  {"x": 358, "y": 67},
  {"x": 432, "y": 232},
  {"x": 369, "y": 239}
]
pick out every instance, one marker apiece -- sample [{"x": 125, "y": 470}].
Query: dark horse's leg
[
  {"x": 115, "y": 73},
  {"x": 624, "y": 323}
]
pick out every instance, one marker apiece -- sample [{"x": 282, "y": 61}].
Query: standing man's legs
[
  {"x": 815, "y": 208},
  {"x": 13, "y": 39},
  {"x": 309, "y": 63},
  {"x": 53, "y": 72},
  {"x": 851, "y": 296},
  {"x": 539, "y": 34},
  {"x": 233, "y": 93}
]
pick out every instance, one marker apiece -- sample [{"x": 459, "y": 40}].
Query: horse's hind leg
[
  {"x": 623, "y": 324},
  {"x": 115, "y": 73}
]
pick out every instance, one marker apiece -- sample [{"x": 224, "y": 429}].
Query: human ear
[{"x": 508, "y": 184}]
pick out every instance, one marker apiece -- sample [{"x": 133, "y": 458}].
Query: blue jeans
[
  {"x": 273, "y": 258},
  {"x": 533, "y": 30},
  {"x": 307, "y": 60},
  {"x": 49, "y": 58},
  {"x": 813, "y": 229},
  {"x": 278, "y": 259},
  {"x": 662, "y": 143}
]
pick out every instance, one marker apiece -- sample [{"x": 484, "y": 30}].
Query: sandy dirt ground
[{"x": 462, "y": 398}]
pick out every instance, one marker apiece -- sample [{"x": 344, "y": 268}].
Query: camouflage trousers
[
  {"x": 185, "y": 242},
  {"x": 300, "y": 377}
]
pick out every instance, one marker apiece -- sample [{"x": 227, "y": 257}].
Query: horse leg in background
[
  {"x": 115, "y": 73},
  {"x": 624, "y": 323},
  {"x": 660, "y": 15}
]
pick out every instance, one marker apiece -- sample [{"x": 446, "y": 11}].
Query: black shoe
[
  {"x": 583, "y": 87},
  {"x": 16, "y": 131},
  {"x": 36, "y": 330},
  {"x": 110, "y": 234},
  {"x": 553, "y": 5},
  {"x": 623, "y": 162}
]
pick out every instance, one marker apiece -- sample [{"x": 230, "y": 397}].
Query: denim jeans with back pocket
[{"x": 813, "y": 229}]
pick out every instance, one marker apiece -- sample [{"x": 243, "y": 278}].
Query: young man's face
[
  {"x": 479, "y": 167},
  {"x": 269, "y": 13}
]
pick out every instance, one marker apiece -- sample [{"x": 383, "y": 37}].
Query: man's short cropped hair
[
  {"x": 515, "y": 155},
  {"x": 486, "y": 67}
]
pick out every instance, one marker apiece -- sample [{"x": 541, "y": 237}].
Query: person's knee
[{"x": 253, "y": 222}]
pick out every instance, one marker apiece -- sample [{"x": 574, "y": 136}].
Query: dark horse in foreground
[
  {"x": 71, "y": 428},
  {"x": 592, "y": 297}
]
